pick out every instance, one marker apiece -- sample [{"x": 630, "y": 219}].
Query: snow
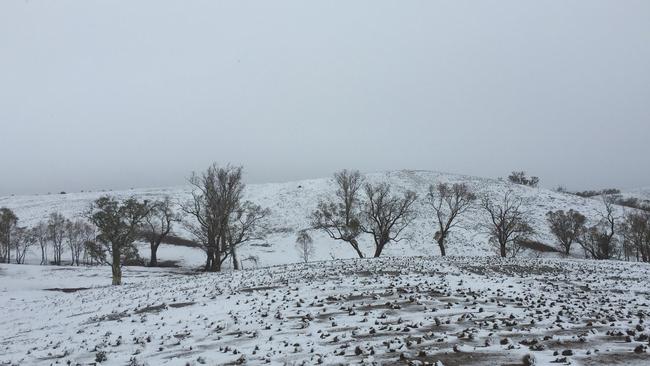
[
  {"x": 394, "y": 310},
  {"x": 468, "y": 309},
  {"x": 292, "y": 202}
]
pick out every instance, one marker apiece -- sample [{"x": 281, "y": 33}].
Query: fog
[{"x": 110, "y": 95}]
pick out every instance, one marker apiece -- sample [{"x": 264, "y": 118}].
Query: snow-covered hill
[
  {"x": 642, "y": 194},
  {"x": 292, "y": 202}
]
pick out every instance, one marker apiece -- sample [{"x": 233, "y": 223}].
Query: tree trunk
[
  {"x": 355, "y": 245},
  {"x": 235, "y": 263},
  {"x": 117, "y": 274},
  {"x": 441, "y": 244},
  {"x": 209, "y": 260},
  {"x": 116, "y": 267},
  {"x": 503, "y": 250},
  {"x": 378, "y": 249},
  {"x": 216, "y": 264},
  {"x": 43, "y": 260},
  {"x": 153, "y": 260}
]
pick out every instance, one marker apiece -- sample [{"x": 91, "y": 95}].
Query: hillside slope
[{"x": 292, "y": 202}]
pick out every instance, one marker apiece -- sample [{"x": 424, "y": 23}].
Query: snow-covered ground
[
  {"x": 471, "y": 309},
  {"x": 642, "y": 194},
  {"x": 390, "y": 311},
  {"x": 292, "y": 202}
]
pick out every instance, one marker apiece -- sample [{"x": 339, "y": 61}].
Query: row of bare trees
[
  {"x": 220, "y": 221},
  {"x": 56, "y": 233},
  {"x": 358, "y": 207},
  {"x": 609, "y": 237},
  {"x": 8, "y": 224},
  {"x": 345, "y": 215},
  {"x": 105, "y": 237},
  {"x": 636, "y": 235}
]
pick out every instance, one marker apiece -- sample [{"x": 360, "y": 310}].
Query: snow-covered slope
[
  {"x": 292, "y": 202},
  {"x": 638, "y": 193}
]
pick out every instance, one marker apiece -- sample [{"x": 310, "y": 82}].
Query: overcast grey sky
[{"x": 119, "y": 94}]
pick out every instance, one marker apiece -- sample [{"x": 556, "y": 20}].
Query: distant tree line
[
  {"x": 352, "y": 211},
  {"x": 613, "y": 194},
  {"x": 221, "y": 221},
  {"x": 106, "y": 235},
  {"x": 51, "y": 237},
  {"x": 594, "y": 193},
  {"x": 610, "y": 236},
  {"x": 357, "y": 207}
]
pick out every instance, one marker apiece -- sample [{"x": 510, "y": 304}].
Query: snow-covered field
[
  {"x": 389, "y": 311},
  {"x": 292, "y": 202},
  {"x": 471, "y": 309}
]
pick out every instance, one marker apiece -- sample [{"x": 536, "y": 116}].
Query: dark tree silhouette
[
  {"x": 385, "y": 216},
  {"x": 448, "y": 203},
  {"x": 636, "y": 234},
  {"x": 600, "y": 241},
  {"x": 508, "y": 224},
  {"x": 567, "y": 227},
  {"x": 304, "y": 245},
  {"x": 338, "y": 215},
  {"x": 245, "y": 224},
  {"x": 118, "y": 224},
  {"x": 43, "y": 239},
  {"x": 221, "y": 220},
  {"x": 158, "y": 224},
  {"x": 76, "y": 234},
  {"x": 22, "y": 239},
  {"x": 8, "y": 222},
  {"x": 523, "y": 179},
  {"x": 56, "y": 226}
]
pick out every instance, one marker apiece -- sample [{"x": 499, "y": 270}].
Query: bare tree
[
  {"x": 304, "y": 245},
  {"x": 22, "y": 239},
  {"x": 567, "y": 227},
  {"x": 636, "y": 234},
  {"x": 222, "y": 221},
  {"x": 8, "y": 222},
  {"x": 118, "y": 224},
  {"x": 78, "y": 232},
  {"x": 385, "y": 216},
  {"x": 599, "y": 241},
  {"x": 56, "y": 225},
  {"x": 339, "y": 215},
  {"x": 244, "y": 225},
  {"x": 71, "y": 238},
  {"x": 86, "y": 238},
  {"x": 158, "y": 224},
  {"x": 42, "y": 238},
  {"x": 448, "y": 203},
  {"x": 202, "y": 208},
  {"x": 508, "y": 223}
]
